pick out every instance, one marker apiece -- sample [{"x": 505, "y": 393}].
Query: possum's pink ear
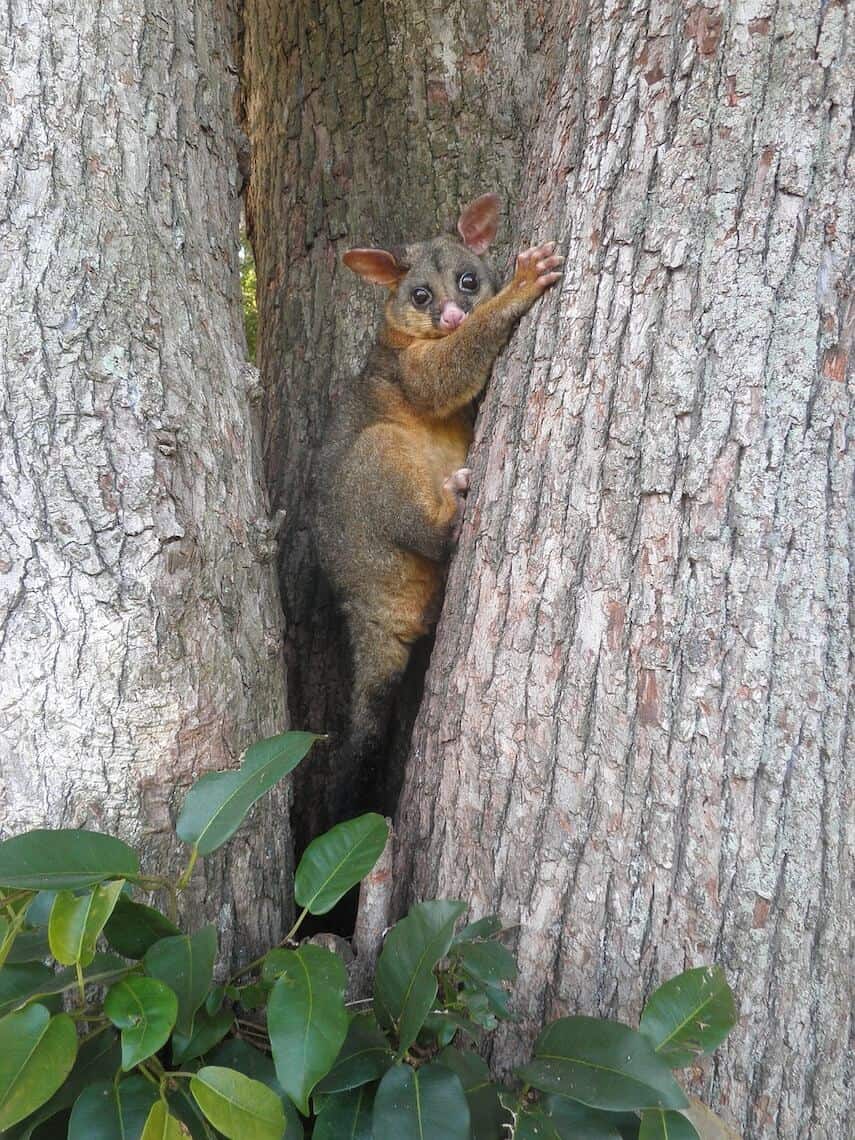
[
  {"x": 376, "y": 265},
  {"x": 479, "y": 222}
]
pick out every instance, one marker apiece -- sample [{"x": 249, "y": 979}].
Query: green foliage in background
[
  {"x": 113, "y": 1021},
  {"x": 248, "y": 286}
]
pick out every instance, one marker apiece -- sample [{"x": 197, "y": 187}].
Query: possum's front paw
[
  {"x": 537, "y": 268},
  {"x": 458, "y": 484}
]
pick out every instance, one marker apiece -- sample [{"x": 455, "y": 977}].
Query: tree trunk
[
  {"x": 139, "y": 644},
  {"x": 634, "y": 727},
  {"x": 370, "y": 122}
]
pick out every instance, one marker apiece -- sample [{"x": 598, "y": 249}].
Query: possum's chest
[{"x": 442, "y": 445}]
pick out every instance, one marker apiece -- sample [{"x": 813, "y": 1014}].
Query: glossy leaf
[
  {"x": 64, "y": 860},
  {"x": 162, "y": 1125},
  {"x": 77, "y": 920},
  {"x": 485, "y": 928},
  {"x": 217, "y": 804},
  {"x": 532, "y": 1123},
  {"x": 405, "y": 985},
  {"x": 208, "y": 1030},
  {"x": 237, "y": 1106},
  {"x": 37, "y": 1052},
  {"x": 97, "y": 1059},
  {"x": 31, "y": 945},
  {"x": 103, "y": 969},
  {"x": 602, "y": 1064},
  {"x": 412, "y": 1104},
  {"x": 12, "y": 920},
  {"x": 337, "y": 860},
  {"x": 346, "y": 1116},
  {"x": 444, "y": 1026},
  {"x": 19, "y": 982},
  {"x": 365, "y": 1056},
  {"x": 235, "y": 1054},
  {"x": 662, "y": 1125},
  {"x": 574, "y": 1121},
  {"x": 185, "y": 963},
  {"x": 106, "y": 1111},
  {"x": 487, "y": 962},
  {"x": 145, "y": 1011},
  {"x": 689, "y": 1015},
  {"x": 307, "y": 1020},
  {"x": 487, "y": 1116},
  {"x": 133, "y": 927}
]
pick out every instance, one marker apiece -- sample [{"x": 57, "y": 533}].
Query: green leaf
[
  {"x": 208, "y": 1030},
  {"x": 659, "y": 1125},
  {"x": 346, "y": 1116},
  {"x": 186, "y": 964},
  {"x": 487, "y": 1116},
  {"x": 442, "y": 1027},
  {"x": 37, "y": 1052},
  {"x": 214, "y": 1000},
  {"x": 234, "y": 1054},
  {"x": 29, "y": 946},
  {"x": 106, "y": 1111},
  {"x": 133, "y": 927},
  {"x": 483, "y": 929},
  {"x": 415, "y": 1104},
  {"x": 12, "y": 920},
  {"x": 602, "y": 1064},
  {"x": 532, "y": 1123},
  {"x": 689, "y": 1015},
  {"x": 239, "y": 1107},
  {"x": 103, "y": 968},
  {"x": 252, "y": 996},
  {"x": 488, "y": 962},
  {"x": 405, "y": 986},
  {"x": 307, "y": 1020},
  {"x": 77, "y": 920},
  {"x": 145, "y": 1010},
  {"x": 64, "y": 859},
  {"x": 336, "y": 861},
  {"x": 97, "y": 1059},
  {"x": 574, "y": 1121},
  {"x": 365, "y": 1056},
  {"x": 217, "y": 804},
  {"x": 18, "y": 983},
  {"x": 161, "y": 1125}
]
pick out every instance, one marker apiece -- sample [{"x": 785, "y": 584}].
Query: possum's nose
[{"x": 451, "y": 317}]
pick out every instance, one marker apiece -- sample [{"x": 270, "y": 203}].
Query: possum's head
[{"x": 434, "y": 285}]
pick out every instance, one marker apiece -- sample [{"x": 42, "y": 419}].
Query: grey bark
[
  {"x": 636, "y": 721},
  {"x": 139, "y": 624}
]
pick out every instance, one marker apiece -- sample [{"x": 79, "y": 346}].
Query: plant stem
[
  {"x": 149, "y": 1076},
  {"x": 188, "y": 870}
]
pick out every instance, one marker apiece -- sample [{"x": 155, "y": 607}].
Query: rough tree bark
[
  {"x": 370, "y": 122},
  {"x": 633, "y": 734},
  {"x": 139, "y": 625},
  {"x": 636, "y": 718}
]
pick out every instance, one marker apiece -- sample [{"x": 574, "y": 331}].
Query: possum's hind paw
[{"x": 458, "y": 484}]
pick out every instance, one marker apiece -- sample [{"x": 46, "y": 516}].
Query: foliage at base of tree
[{"x": 115, "y": 1022}]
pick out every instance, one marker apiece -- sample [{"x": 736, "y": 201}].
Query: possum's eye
[
  {"x": 467, "y": 283},
  {"x": 421, "y": 296}
]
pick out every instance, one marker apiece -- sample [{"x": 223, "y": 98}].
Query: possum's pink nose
[{"x": 452, "y": 316}]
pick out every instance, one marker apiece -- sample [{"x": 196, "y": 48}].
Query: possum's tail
[{"x": 379, "y": 661}]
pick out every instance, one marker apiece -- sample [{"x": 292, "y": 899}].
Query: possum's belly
[
  {"x": 444, "y": 449},
  {"x": 413, "y": 596}
]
